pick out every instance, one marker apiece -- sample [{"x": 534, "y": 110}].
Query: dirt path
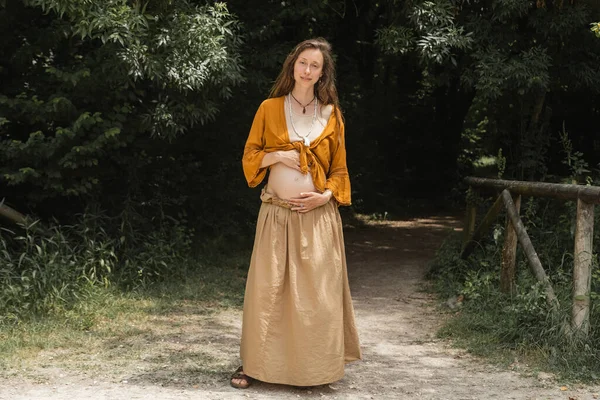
[{"x": 190, "y": 355}]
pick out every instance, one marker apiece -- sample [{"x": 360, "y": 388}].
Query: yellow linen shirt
[{"x": 325, "y": 158}]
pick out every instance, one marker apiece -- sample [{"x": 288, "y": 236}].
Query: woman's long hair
[{"x": 325, "y": 90}]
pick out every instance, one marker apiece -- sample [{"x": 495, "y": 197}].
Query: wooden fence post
[
  {"x": 509, "y": 253},
  {"x": 485, "y": 224},
  {"x": 582, "y": 268},
  {"x": 532, "y": 257},
  {"x": 470, "y": 218}
]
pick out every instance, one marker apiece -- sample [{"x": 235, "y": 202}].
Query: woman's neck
[{"x": 303, "y": 95}]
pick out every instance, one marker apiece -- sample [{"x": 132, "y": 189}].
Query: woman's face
[{"x": 308, "y": 67}]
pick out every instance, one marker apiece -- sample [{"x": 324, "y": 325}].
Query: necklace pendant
[
  {"x": 304, "y": 110},
  {"x": 306, "y": 141}
]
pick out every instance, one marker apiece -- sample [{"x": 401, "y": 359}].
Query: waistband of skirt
[{"x": 268, "y": 197}]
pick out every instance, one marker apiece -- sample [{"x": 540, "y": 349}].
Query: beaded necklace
[{"x": 304, "y": 138}]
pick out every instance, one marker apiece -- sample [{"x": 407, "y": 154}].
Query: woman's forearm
[{"x": 270, "y": 159}]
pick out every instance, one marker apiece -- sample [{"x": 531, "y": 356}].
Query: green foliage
[
  {"x": 90, "y": 82},
  {"x": 595, "y": 27},
  {"x": 151, "y": 251},
  {"x": 439, "y": 35},
  {"x": 509, "y": 56},
  {"x": 396, "y": 39},
  {"x": 501, "y": 164},
  {"x": 506, "y": 10},
  {"x": 528, "y": 70},
  {"x": 494, "y": 74},
  {"x": 578, "y": 166},
  {"x": 431, "y": 32},
  {"x": 174, "y": 44},
  {"x": 450, "y": 268}
]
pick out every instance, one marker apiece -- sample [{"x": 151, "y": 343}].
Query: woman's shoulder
[
  {"x": 326, "y": 111},
  {"x": 272, "y": 102}
]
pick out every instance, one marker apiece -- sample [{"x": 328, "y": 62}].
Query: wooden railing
[{"x": 510, "y": 197}]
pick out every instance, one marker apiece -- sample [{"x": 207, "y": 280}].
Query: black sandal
[{"x": 239, "y": 374}]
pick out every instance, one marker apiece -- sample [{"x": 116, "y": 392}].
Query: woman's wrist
[
  {"x": 270, "y": 159},
  {"x": 276, "y": 156},
  {"x": 328, "y": 193}
]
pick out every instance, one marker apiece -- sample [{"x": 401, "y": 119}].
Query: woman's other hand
[
  {"x": 291, "y": 158},
  {"x": 310, "y": 200}
]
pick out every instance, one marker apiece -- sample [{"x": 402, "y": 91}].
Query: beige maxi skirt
[{"x": 298, "y": 325}]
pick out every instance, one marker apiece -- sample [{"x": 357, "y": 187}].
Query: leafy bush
[{"x": 156, "y": 255}]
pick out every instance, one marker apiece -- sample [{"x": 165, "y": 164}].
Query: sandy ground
[{"x": 189, "y": 355}]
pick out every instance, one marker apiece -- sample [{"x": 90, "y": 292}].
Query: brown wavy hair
[{"x": 325, "y": 90}]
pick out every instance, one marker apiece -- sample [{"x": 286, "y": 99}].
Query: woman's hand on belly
[
  {"x": 291, "y": 158},
  {"x": 310, "y": 200}
]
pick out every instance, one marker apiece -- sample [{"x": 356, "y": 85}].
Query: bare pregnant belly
[{"x": 286, "y": 182}]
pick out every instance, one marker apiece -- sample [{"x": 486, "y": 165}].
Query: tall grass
[
  {"x": 41, "y": 271},
  {"x": 51, "y": 270}
]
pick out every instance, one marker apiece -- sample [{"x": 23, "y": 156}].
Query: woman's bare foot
[{"x": 239, "y": 380}]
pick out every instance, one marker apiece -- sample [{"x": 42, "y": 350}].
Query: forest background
[{"x": 122, "y": 125}]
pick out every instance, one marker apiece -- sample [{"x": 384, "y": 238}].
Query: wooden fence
[{"x": 510, "y": 198}]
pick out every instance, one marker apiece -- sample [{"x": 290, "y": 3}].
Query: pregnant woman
[{"x": 298, "y": 325}]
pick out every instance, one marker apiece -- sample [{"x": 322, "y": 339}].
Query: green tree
[
  {"x": 512, "y": 62},
  {"x": 93, "y": 92}
]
